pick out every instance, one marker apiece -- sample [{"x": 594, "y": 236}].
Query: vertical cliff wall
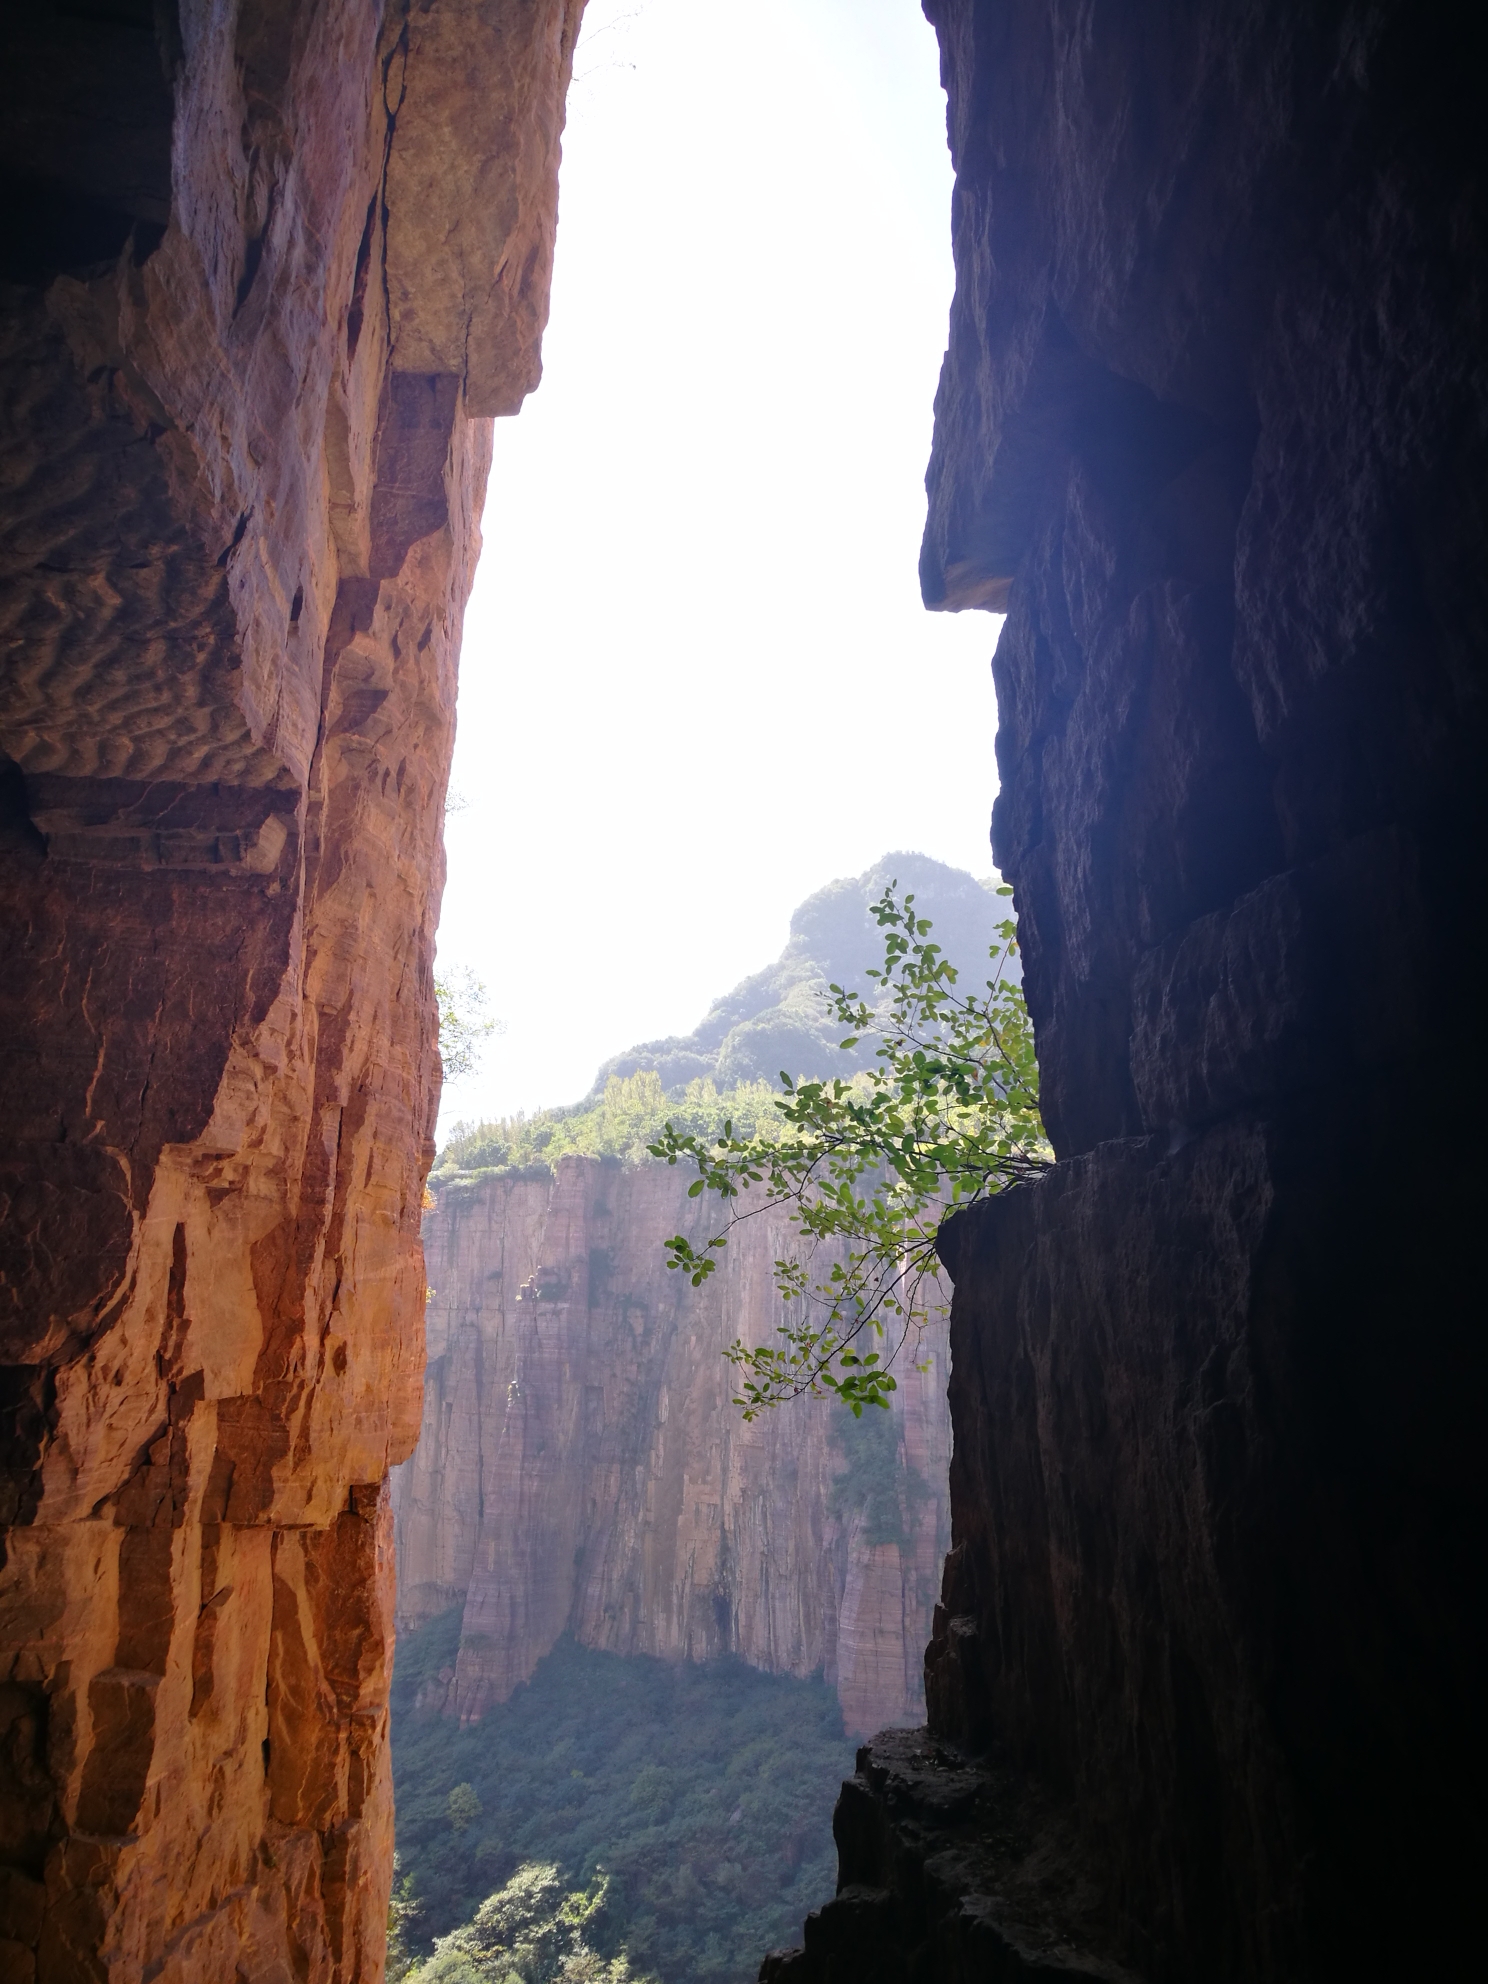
[
  {"x": 1212, "y": 426},
  {"x": 581, "y": 1467},
  {"x": 263, "y": 271}
]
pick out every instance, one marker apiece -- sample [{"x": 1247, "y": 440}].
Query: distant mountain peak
[{"x": 776, "y": 1018}]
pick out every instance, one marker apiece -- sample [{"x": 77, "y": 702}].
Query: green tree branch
[{"x": 871, "y": 1167}]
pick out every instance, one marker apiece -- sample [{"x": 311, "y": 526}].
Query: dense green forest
[
  {"x": 630, "y": 1113},
  {"x": 624, "y": 1819}
]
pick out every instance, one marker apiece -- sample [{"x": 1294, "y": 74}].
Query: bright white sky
[{"x": 697, "y": 679}]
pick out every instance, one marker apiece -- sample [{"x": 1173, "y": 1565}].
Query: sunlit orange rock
[{"x": 243, "y": 358}]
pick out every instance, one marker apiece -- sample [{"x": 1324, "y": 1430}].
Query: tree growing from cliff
[
  {"x": 872, "y": 1166},
  {"x": 463, "y": 1025}
]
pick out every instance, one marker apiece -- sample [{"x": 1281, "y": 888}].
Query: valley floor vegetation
[{"x": 618, "y": 1821}]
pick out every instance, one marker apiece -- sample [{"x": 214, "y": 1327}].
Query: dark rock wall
[
  {"x": 1219, "y": 1538},
  {"x": 1213, "y": 426},
  {"x": 1214, "y": 399}
]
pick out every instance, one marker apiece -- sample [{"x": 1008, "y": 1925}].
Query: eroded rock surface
[
  {"x": 246, "y": 327},
  {"x": 951, "y": 1871},
  {"x": 1212, "y": 426},
  {"x": 581, "y": 1467}
]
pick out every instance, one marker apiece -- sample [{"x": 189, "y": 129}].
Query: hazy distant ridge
[{"x": 775, "y": 1018}]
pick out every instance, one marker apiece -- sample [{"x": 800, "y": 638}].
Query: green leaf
[{"x": 866, "y": 1168}]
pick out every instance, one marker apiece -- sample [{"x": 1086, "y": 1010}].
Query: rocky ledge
[{"x": 951, "y": 1869}]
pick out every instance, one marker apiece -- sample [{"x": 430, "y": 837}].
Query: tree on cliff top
[
  {"x": 623, "y": 1122},
  {"x": 871, "y": 1166},
  {"x": 461, "y": 1001},
  {"x": 530, "y": 1931}
]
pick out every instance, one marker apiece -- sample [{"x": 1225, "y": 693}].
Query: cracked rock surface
[
  {"x": 954, "y": 1870},
  {"x": 242, "y": 456}
]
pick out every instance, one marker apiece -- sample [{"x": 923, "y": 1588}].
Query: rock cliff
[
  {"x": 264, "y": 270},
  {"x": 1204, "y": 1691},
  {"x": 581, "y": 1467}
]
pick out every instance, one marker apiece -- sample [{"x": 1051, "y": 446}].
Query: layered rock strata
[
  {"x": 582, "y": 1468},
  {"x": 1212, "y": 427},
  {"x": 264, "y": 271}
]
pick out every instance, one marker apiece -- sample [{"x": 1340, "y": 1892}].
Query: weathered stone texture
[
  {"x": 236, "y": 536},
  {"x": 1214, "y": 425},
  {"x": 952, "y": 1871},
  {"x": 582, "y": 1468}
]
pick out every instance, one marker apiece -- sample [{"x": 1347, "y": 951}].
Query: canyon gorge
[
  {"x": 1204, "y": 1682},
  {"x": 582, "y": 1467}
]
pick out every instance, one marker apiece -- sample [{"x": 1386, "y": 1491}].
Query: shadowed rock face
[
  {"x": 1212, "y": 426},
  {"x": 243, "y": 457},
  {"x": 582, "y": 1468}
]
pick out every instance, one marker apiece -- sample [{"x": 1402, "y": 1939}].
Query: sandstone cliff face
[
  {"x": 250, "y": 313},
  {"x": 1212, "y": 424},
  {"x": 581, "y": 1466}
]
